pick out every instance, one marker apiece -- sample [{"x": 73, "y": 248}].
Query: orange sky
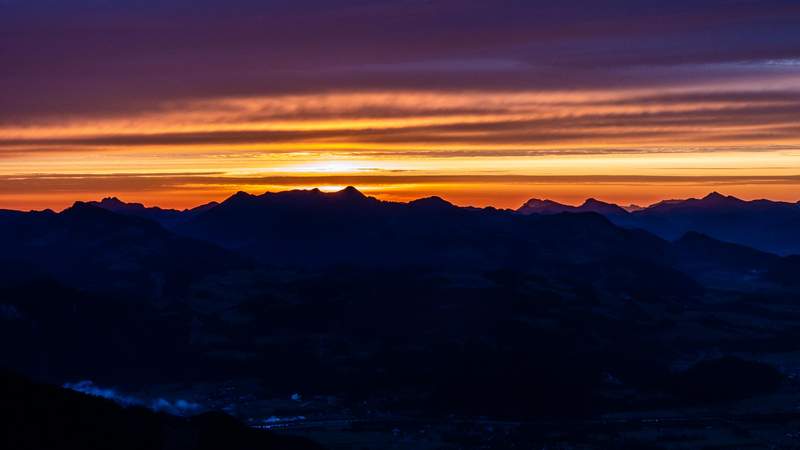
[
  {"x": 178, "y": 103},
  {"x": 473, "y": 148}
]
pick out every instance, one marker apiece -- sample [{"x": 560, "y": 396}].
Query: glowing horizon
[
  {"x": 571, "y": 191},
  {"x": 176, "y": 110}
]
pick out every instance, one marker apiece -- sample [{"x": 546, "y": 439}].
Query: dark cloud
[
  {"x": 709, "y": 124},
  {"x": 84, "y": 58}
]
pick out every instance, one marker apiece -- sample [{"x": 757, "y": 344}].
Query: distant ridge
[
  {"x": 166, "y": 217},
  {"x": 537, "y": 206},
  {"x": 102, "y": 249},
  {"x": 312, "y": 228},
  {"x": 432, "y": 203},
  {"x": 763, "y": 224},
  {"x": 348, "y": 227}
]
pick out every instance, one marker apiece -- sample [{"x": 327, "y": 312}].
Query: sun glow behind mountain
[{"x": 193, "y": 108}]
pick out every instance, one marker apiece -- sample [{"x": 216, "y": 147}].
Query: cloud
[
  {"x": 705, "y": 121},
  {"x": 172, "y": 85},
  {"x": 91, "y": 57},
  {"x": 177, "y": 407}
]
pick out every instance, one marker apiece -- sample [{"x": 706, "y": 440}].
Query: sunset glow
[{"x": 493, "y": 124}]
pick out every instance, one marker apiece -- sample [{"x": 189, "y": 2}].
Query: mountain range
[
  {"x": 377, "y": 310},
  {"x": 115, "y": 246},
  {"x": 96, "y": 244},
  {"x": 166, "y": 217},
  {"x": 763, "y": 224}
]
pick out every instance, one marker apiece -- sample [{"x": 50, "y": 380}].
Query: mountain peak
[
  {"x": 595, "y": 202},
  {"x": 714, "y": 196},
  {"x": 433, "y": 202},
  {"x": 601, "y": 207},
  {"x": 112, "y": 200},
  {"x": 240, "y": 195},
  {"x": 348, "y": 194},
  {"x": 538, "y": 201},
  {"x": 82, "y": 206},
  {"x": 539, "y": 206},
  {"x": 543, "y": 203},
  {"x": 115, "y": 204},
  {"x": 351, "y": 192},
  {"x": 241, "y": 198},
  {"x": 88, "y": 211}
]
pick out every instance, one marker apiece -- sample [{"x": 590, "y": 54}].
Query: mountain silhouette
[
  {"x": 312, "y": 227},
  {"x": 98, "y": 249},
  {"x": 424, "y": 308},
  {"x": 110, "y": 244},
  {"x": 763, "y": 224},
  {"x": 536, "y": 206},
  {"x": 95, "y": 244},
  {"x": 433, "y": 203},
  {"x": 39, "y": 416},
  {"x": 166, "y": 217},
  {"x": 600, "y": 207}
]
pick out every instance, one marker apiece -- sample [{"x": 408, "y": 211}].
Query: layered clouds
[{"x": 207, "y": 98}]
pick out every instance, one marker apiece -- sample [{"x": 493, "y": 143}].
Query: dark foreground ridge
[{"x": 37, "y": 416}]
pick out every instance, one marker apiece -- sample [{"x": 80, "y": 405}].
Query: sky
[{"x": 178, "y": 102}]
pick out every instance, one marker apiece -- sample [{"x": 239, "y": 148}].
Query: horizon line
[{"x": 339, "y": 189}]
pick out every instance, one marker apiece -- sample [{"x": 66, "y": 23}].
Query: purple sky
[{"x": 429, "y": 87}]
